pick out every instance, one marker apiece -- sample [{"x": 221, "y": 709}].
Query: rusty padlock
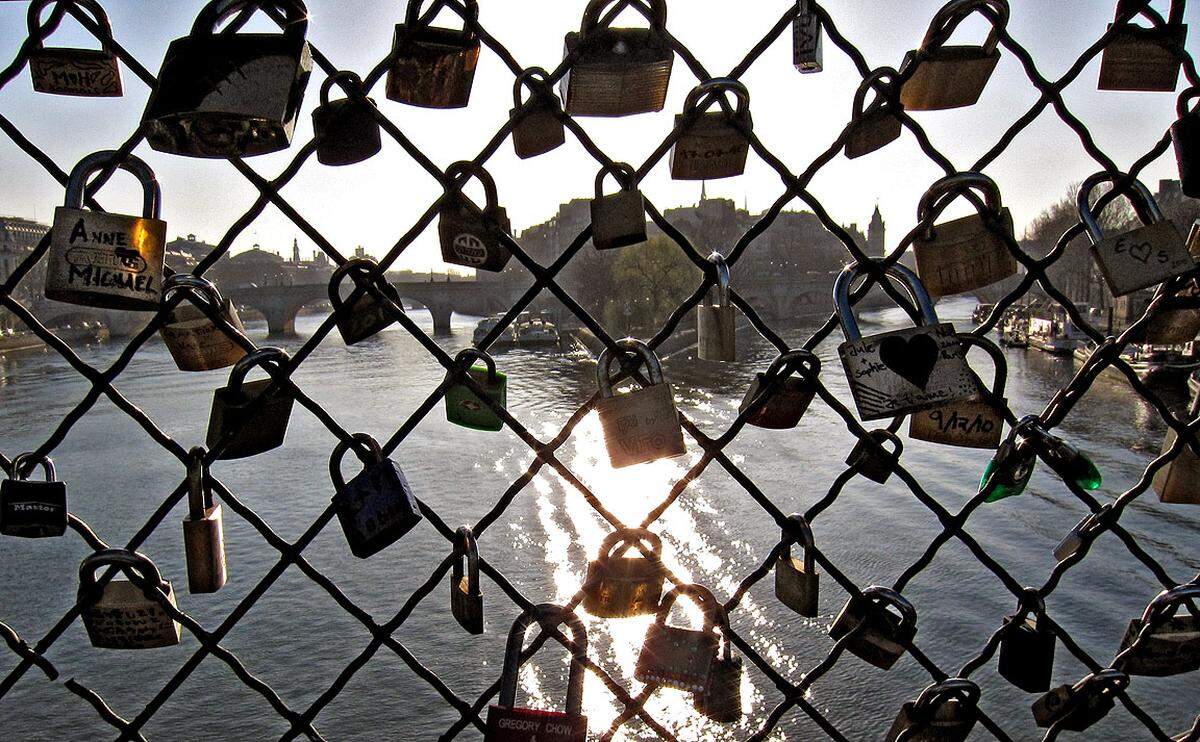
[
  {"x": 196, "y": 342},
  {"x": 126, "y": 614},
  {"x": 872, "y": 460},
  {"x": 346, "y": 130},
  {"x": 970, "y": 423},
  {"x": 618, "y": 71},
  {"x": 377, "y": 507},
  {"x": 622, "y": 586},
  {"x": 676, "y": 657},
  {"x": 32, "y": 509},
  {"x": 807, "y": 38},
  {"x": 1137, "y": 58},
  {"x": 1163, "y": 642},
  {"x": 92, "y": 73},
  {"x": 466, "y": 596},
  {"x": 945, "y": 711},
  {"x": 1077, "y": 708},
  {"x": 250, "y": 418},
  {"x": 1178, "y": 481},
  {"x": 721, "y": 699},
  {"x": 711, "y": 144},
  {"x": 537, "y": 123},
  {"x": 716, "y": 321},
  {"x": 797, "y": 581},
  {"x": 788, "y": 388},
  {"x": 618, "y": 219},
  {"x": 641, "y": 425},
  {"x": 968, "y": 253},
  {"x": 1185, "y": 136},
  {"x": 940, "y": 76},
  {"x": 880, "y": 624},
  {"x": 370, "y": 314},
  {"x": 1026, "y": 656},
  {"x": 469, "y": 235},
  {"x": 433, "y": 67},
  {"x": 203, "y": 531},
  {"x": 876, "y": 126}
]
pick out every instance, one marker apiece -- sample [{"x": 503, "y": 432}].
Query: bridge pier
[
  {"x": 281, "y": 320},
  {"x": 441, "y": 317}
]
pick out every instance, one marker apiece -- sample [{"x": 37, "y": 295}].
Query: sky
[{"x": 797, "y": 116}]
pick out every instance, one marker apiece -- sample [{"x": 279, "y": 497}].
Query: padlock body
[
  {"x": 434, "y": 68},
  {"x": 464, "y": 408},
  {"x": 1052, "y": 706},
  {"x": 710, "y": 147},
  {"x": 618, "y": 220},
  {"x": 676, "y": 658},
  {"x": 1179, "y": 481},
  {"x": 1027, "y": 655},
  {"x": 640, "y": 426},
  {"x": 796, "y": 587},
  {"x": 952, "y": 77},
  {"x": 618, "y": 72},
  {"x": 537, "y": 131},
  {"x": 626, "y": 586},
  {"x": 971, "y": 423},
  {"x": 197, "y": 343},
  {"x": 881, "y": 642},
  {"x": 716, "y": 333},
  {"x": 91, "y": 73},
  {"x": 876, "y": 129},
  {"x": 106, "y": 260},
  {"x": 472, "y": 237},
  {"x": 376, "y": 508},
  {"x": 369, "y": 316},
  {"x": 465, "y": 606},
  {"x": 949, "y": 722},
  {"x": 721, "y": 699},
  {"x": 32, "y": 509},
  {"x": 124, "y": 618},
  {"x": 807, "y": 39},
  {"x": 228, "y": 95},
  {"x": 204, "y": 548},
  {"x": 1145, "y": 257},
  {"x": 346, "y": 131},
  {"x": 789, "y": 400},
  {"x": 533, "y": 725},
  {"x": 1185, "y": 135},
  {"x": 1140, "y": 59},
  {"x": 255, "y": 428},
  {"x": 964, "y": 255},
  {"x": 1172, "y": 648}
]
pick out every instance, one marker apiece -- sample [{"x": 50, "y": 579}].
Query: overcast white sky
[{"x": 796, "y": 115}]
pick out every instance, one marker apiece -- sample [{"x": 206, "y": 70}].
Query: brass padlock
[
  {"x": 1084, "y": 533},
  {"x": 346, "y": 130},
  {"x": 373, "y": 311},
  {"x": 968, "y": 253},
  {"x": 618, "y": 71},
  {"x": 787, "y": 389},
  {"x": 433, "y": 67},
  {"x": 463, "y": 405},
  {"x": 377, "y": 507},
  {"x": 619, "y": 219},
  {"x": 716, "y": 322},
  {"x": 231, "y": 94},
  {"x": 642, "y": 425},
  {"x": 1144, "y": 257},
  {"x": 944, "y": 712},
  {"x": 876, "y": 126},
  {"x": 807, "y": 38},
  {"x": 721, "y": 699},
  {"x": 1162, "y": 642},
  {"x": 126, "y": 614},
  {"x": 107, "y": 260},
  {"x": 879, "y": 624},
  {"x": 466, "y": 596},
  {"x": 1176, "y": 320},
  {"x": 1079, "y": 707},
  {"x": 203, "y": 531},
  {"x": 506, "y": 722},
  {"x": 797, "y": 581},
  {"x": 1185, "y": 136},
  {"x": 537, "y": 123},
  {"x": 1026, "y": 656},
  {"x": 971, "y": 423},
  {"x": 196, "y": 342},
  {"x": 92, "y": 73},
  {"x": 470, "y": 236},
  {"x": 711, "y": 144},
  {"x": 1144, "y": 59},
  {"x": 32, "y": 509},
  {"x": 622, "y": 586},
  {"x": 676, "y": 657},
  {"x": 249, "y": 418},
  {"x": 903, "y": 371},
  {"x": 1178, "y": 482},
  {"x": 870, "y": 459},
  {"x": 940, "y": 76}
]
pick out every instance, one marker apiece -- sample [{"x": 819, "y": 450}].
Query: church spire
[
  {"x": 295, "y": 251},
  {"x": 703, "y": 191}
]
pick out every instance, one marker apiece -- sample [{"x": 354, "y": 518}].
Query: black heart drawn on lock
[
  {"x": 1141, "y": 253},
  {"x": 912, "y": 358}
]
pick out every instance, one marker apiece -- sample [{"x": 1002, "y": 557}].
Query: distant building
[{"x": 18, "y": 237}]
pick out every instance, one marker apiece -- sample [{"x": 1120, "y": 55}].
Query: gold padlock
[
  {"x": 126, "y": 614},
  {"x": 968, "y": 253},
  {"x": 711, "y": 145},
  {"x": 196, "y": 342},
  {"x": 716, "y": 322},
  {"x": 876, "y": 126},
  {"x": 203, "y": 531},
  {"x": 1137, "y": 58},
  {"x": 970, "y": 423},
  {"x": 618, "y": 71},
  {"x": 92, "y": 73},
  {"x": 940, "y": 76}
]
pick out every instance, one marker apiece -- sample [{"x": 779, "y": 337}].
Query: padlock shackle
[
  {"x": 1031, "y": 601},
  {"x": 698, "y": 594},
  {"x": 942, "y": 193},
  {"x": 97, "y": 161},
  {"x": 797, "y": 531},
  {"x": 548, "y": 617},
  {"x": 23, "y": 465},
  {"x": 955, "y": 12},
  {"x": 347, "y": 80},
  {"x": 723, "y": 277},
  {"x": 474, "y": 354},
  {"x": 628, "y": 346},
  {"x": 622, "y": 172},
  {"x": 884, "y": 76},
  {"x": 1165, "y": 605},
  {"x": 801, "y": 361},
  {"x": 460, "y": 172},
  {"x": 135, "y": 565},
  {"x": 360, "y": 270},
  {"x": 885, "y": 596},
  {"x": 1140, "y": 191},
  {"x": 91, "y": 7},
  {"x": 960, "y": 689},
  {"x": 1108, "y": 679},
  {"x": 999, "y": 362},
  {"x": 726, "y": 642},
  {"x": 260, "y": 357},
  {"x": 295, "y": 25},
  {"x": 412, "y": 15},
  {"x": 466, "y": 547},
  {"x": 537, "y": 79},
  {"x": 199, "y": 290},
  {"x": 632, "y": 536},
  {"x": 706, "y": 94},
  {"x": 1147, "y": 11},
  {"x": 656, "y": 14},
  {"x": 910, "y": 281},
  {"x": 339, "y": 453},
  {"x": 1185, "y": 97},
  {"x": 200, "y": 496}
]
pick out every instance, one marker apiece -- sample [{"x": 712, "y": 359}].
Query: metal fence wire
[{"x": 1108, "y": 682}]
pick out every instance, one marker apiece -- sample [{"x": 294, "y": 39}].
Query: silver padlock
[
  {"x": 797, "y": 581},
  {"x": 876, "y": 126},
  {"x": 1138, "y": 58},
  {"x": 642, "y": 425},
  {"x": 944, "y": 712},
  {"x": 711, "y": 144},
  {"x": 971, "y": 423},
  {"x": 1077, "y": 708},
  {"x": 196, "y": 341},
  {"x": 203, "y": 531},
  {"x": 1084, "y": 532},
  {"x": 716, "y": 322},
  {"x": 1179, "y": 480},
  {"x": 807, "y": 38},
  {"x": 126, "y": 614},
  {"x": 952, "y": 76},
  {"x": 1162, "y": 642},
  {"x": 968, "y": 253}
]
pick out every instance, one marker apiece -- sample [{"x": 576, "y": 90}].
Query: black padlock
[
  {"x": 944, "y": 712},
  {"x": 789, "y": 386},
  {"x": 433, "y": 67},
  {"x": 1141, "y": 58},
  {"x": 346, "y": 130},
  {"x": 466, "y": 597},
  {"x": 721, "y": 699},
  {"x": 537, "y": 123},
  {"x": 619, "y": 219},
  {"x": 881, "y": 624},
  {"x": 1027, "y": 645},
  {"x": 92, "y": 73},
  {"x": 1185, "y": 134},
  {"x": 371, "y": 313},
  {"x": 1077, "y": 708},
  {"x": 253, "y": 415},
  {"x": 872, "y": 460},
  {"x": 377, "y": 507},
  {"x": 469, "y": 235},
  {"x": 32, "y": 509}
]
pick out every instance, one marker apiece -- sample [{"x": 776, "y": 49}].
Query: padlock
[
  {"x": 203, "y": 531},
  {"x": 32, "y": 509},
  {"x": 107, "y": 260},
  {"x": 807, "y": 38},
  {"x": 797, "y": 581},
  {"x": 676, "y": 657},
  {"x": 195, "y": 341},
  {"x": 876, "y": 126},
  {"x": 618, "y": 71},
  {"x": 968, "y": 253},
  {"x": 1162, "y": 642},
  {"x": 92, "y": 73},
  {"x": 1178, "y": 481},
  {"x": 1185, "y": 135},
  {"x": 711, "y": 144},
  {"x": 506, "y": 722},
  {"x": 1144, "y": 59},
  {"x": 871, "y": 459},
  {"x": 903, "y": 371},
  {"x": 642, "y": 425},
  {"x": 377, "y": 507},
  {"x": 346, "y": 130},
  {"x": 466, "y": 597},
  {"x": 716, "y": 321},
  {"x": 372, "y": 312},
  {"x": 944, "y": 712},
  {"x": 463, "y": 406},
  {"x": 433, "y": 67},
  {"x": 721, "y": 699},
  {"x": 1067, "y": 461},
  {"x": 1008, "y": 473},
  {"x": 469, "y": 236},
  {"x": 537, "y": 123},
  {"x": 1026, "y": 657},
  {"x": 880, "y": 624},
  {"x": 941, "y": 77},
  {"x": 1176, "y": 320},
  {"x": 1084, "y": 533},
  {"x": 126, "y": 614},
  {"x": 623, "y": 586},
  {"x": 1079, "y": 707},
  {"x": 231, "y": 94},
  {"x": 619, "y": 219},
  {"x": 250, "y": 418},
  {"x": 788, "y": 387},
  {"x": 971, "y": 423},
  {"x": 1144, "y": 257}
]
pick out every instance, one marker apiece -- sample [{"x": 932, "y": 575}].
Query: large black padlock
[
  {"x": 787, "y": 389},
  {"x": 618, "y": 71},
  {"x": 32, "y": 509},
  {"x": 369, "y": 314},
  {"x": 231, "y": 94},
  {"x": 711, "y": 144},
  {"x": 952, "y": 76},
  {"x": 250, "y": 418},
  {"x": 618, "y": 219},
  {"x": 721, "y": 699},
  {"x": 93, "y": 73},
  {"x": 621, "y": 586},
  {"x": 1077, "y": 708},
  {"x": 469, "y": 235},
  {"x": 203, "y": 531},
  {"x": 880, "y": 624},
  {"x": 1027, "y": 646},
  {"x": 797, "y": 582},
  {"x": 1162, "y": 642},
  {"x": 537, "y": 122},
  {"x": 466, "y": 596},
  {"x": 433, "y": 67},
  {"x": 1138, "y": 58},
  {"x": 1185, "y": 135},
  {"x": 346, "y": 130},
  {"x": 870, "y": 459},
  {"x": 676, "y": 657},
  {"x": 876, "y": 126},
  {"x": 944, "y": 712},
  {"x": 377, "y": 507},
  {"x": 126, "y": 614}
]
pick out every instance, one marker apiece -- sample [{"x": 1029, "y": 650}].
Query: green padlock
[{"x": 464, "y": 407}]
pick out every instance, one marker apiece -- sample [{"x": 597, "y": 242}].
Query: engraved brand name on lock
[
  {"x": 962, "y": 423},
  {"x": 80, "y": 76},
  {"x": 711, "y": 154},
  {"x": 471, "y": 249},
  {"x": 32, "y": 507}
]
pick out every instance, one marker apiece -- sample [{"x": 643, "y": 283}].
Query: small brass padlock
[
  {"x": 1144, "y": 59},
  {"x": 622, "y": 586},
  {"x": 433, "y": 67},
  {"x": 196, "y": 342},
  {"x": 92, "y": 73},
  {"x": 32, "y": 509},
  {"x": 1077, "y": 708},
  {"x": 641, "y": 425},
  {"x": 537, "y": 123},
  {"x": 711, "y": 144},
  {"x": 944, "y": 712},
  {"x": 470, "y": 236},
  {"x": 1178, "y": 481},
  {"x": 968, "y": 253},
  {"x": 1162, "y": 642},
  {"x": 463, "y": 406},
  {"x": 618, "y": 71},
  {"x": 373, "y": 311},
  {"x": 788, "y": 388},
  {"x": 203, "y": 531},
  {"x": 126, "y": 614},
  {"x": 716, "y": 321},
  {"x": 952, "y": 76},
  {"x": 879, "y": 624},
  {"x": 98, "y": 259},
  {"x": 346, "y": 130},
  {"x": 876, "y": 126},
  {"x": 807, "y": 38},
  {"x": 1185, "y": 136},
  {"x": 377, "y": 507},
  {"x": 797, "y": 581},
  {"x": 721, "y": 699},
  {"x": 872, "y": 460},
  {"x": 466, "y": 596},
  {"x": 676, "y": 657},
  {"x": 1026, "y": 657},
  {"x": 619, "y": 219},
  {"x": 1084, "y": 533},
  {"x": 971, "y": 423},
  {"x": 249, "y": 418}
]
